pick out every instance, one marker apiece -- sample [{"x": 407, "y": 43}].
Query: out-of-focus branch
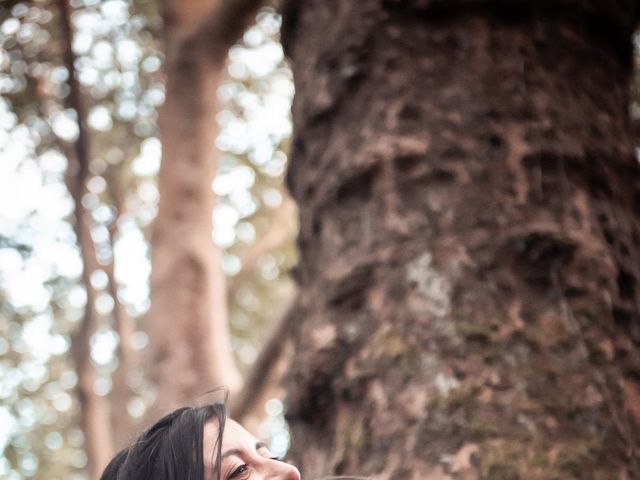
[
  {"x": 94, "y": 417},
  {"x": 280, "y": 230},
  {"x": 261, "y": 377},
  {"x": 225, "y": 24},
  {"x": 214, "y": 26},
  {"x": 265, "y": 372},
  {"x": 124, "y": 327}
]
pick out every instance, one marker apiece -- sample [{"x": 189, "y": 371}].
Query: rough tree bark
[
  {"x": 94, "y": 410},
  {"x": 187, "y": 321},
  {"x": 469, "y": 240}
]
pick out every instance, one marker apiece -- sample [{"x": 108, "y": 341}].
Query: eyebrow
[{"x": 237, "y": 451}]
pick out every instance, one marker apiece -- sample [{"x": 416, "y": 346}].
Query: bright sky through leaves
[{"x": 119, "y": 67}]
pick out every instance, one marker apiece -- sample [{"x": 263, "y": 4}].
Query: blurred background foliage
[{"x": 118, "y": 49}]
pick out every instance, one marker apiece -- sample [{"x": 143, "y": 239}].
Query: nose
[{"x": 282, "y": 471}]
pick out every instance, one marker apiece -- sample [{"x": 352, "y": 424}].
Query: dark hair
[{"x": 171, "y": 449}]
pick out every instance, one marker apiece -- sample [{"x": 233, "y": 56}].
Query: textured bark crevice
[
  {"x": 468, "y": 274},
  {"x": 187, "y": 322}
]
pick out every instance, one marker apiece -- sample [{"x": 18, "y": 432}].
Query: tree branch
[
  {"x": 259, "y": 378},
  {"x": 222, "y": 27},
  {"x": 280, "y": 230}
]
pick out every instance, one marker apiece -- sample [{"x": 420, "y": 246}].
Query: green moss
[
  {"x": 587, "y": 310},
  {"x": 350, "y": 435},
  {"x": 387, "y": 344},
  {"x": 481, "y": 429},
  {"x": 501, "y": 471},
  {"x": 468, "y": 325},
  {"x": 391, "y": 349},
  {"x": 393, "y": 345},
  {"x": 575, "y": 457},
  {"x": 572, "y": 459}
]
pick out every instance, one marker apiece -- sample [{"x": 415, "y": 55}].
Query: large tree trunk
[
  {"x": 189, "y": 334},
  {"x": 469, "y": 240}
]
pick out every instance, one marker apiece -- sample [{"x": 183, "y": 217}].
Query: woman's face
[{"x": 243, "y": 456}]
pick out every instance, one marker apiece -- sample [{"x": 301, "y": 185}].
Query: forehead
[
  {"x": 234, "y": 436},
  {"x": 234, "y": 432}
]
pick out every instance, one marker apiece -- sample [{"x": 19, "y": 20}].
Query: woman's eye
[{"x": 238, "y": 472}]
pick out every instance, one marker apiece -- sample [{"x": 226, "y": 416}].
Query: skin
[{"x": 243, "y": 456}]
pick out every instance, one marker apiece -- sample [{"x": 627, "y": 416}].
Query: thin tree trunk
[
  {"x": 123, "y": 325},
  {"x": 187, "y": 321},
  {"x": 469, "y": 240},
  {"x": 121, "y": 421},
  {"x": 94, "y": 410}
]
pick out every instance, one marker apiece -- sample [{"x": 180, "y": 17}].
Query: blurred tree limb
[{"x": 188, "y": 320}]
